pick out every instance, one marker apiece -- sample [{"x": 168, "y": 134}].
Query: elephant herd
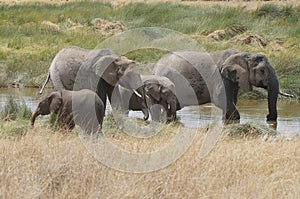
[{"x": 84, "y": 79}]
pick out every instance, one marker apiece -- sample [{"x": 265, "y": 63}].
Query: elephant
[
  {"x": 236, "y": 70},
  {"x": 159, "y": 96},
  {"x": 82, "y": 107},
  {"x": 76, "y": 68}
]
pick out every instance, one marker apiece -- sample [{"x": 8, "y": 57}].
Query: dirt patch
[
  {"x": 230, "y": 32},
  {"x": 239, "y": 35},
  {"x": 258, "y": 41},
  {"x": 107, "y": 28},
  {"x": 100, "y": 26},
  {"x": 249, "y": 38}
]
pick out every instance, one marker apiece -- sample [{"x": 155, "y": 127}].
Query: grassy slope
[{"x": 27, "y": 45}]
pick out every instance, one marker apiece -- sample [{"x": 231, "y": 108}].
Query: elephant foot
[
  {"x": 272, "y": 124},
  {"x": 227, "y": 122}
]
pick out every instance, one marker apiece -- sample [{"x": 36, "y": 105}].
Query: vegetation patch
[
  {"x": 273, "y": 11},
  {"x": 248, "y": 129}
]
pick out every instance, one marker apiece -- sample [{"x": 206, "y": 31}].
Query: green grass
[{"x": 27, "y": 46}]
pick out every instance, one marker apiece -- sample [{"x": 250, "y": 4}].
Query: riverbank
[
  {"x": 32, "y": 33},
  {"x": 46, "y": 164}
]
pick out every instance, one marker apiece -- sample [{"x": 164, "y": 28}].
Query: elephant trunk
[
  {"x": 34, "y": 115},
  {"x": 273, "y": 90}
]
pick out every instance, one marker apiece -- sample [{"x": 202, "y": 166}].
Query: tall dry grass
[{"x": 42, "y": 164}]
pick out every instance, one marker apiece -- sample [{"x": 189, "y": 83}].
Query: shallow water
[{"x": 196, "y": 116}]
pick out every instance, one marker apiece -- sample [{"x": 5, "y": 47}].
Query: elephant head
[
  {"x": 245, "y": 70},
  {"x": 119, "y": 69},
  {"x": 158, "y": 94},
  {"x": 123, "y": 71},
  {"x": 49, "y": 105}
]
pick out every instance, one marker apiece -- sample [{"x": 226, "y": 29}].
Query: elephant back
[
  {"x": 164, "y": 81},
  {"x": 219, "y": 57},
  {"x": 94, "y": 55},
  {"x": 183, "y": 69},
  {"x": 65, "y": 66}
]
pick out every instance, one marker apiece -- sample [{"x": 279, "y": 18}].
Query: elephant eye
[{"x": 262, "y": 71}]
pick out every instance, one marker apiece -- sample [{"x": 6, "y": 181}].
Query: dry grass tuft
[
  {"x": 43, "y": 164},
  {"x": 249, "y": 129}
]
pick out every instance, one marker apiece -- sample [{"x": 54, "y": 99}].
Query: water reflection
[{"x": 195, "y": 116}]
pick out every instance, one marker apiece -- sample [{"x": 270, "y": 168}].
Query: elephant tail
[
  {"x": 286, "y": 94},
  {"x": 44, "y": 85}
]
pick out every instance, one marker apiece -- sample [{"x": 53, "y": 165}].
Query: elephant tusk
[
  {"x": 286, "y": 94},
  {"x": 169, "y": 107},
  {"x": 135, "y": 92}
]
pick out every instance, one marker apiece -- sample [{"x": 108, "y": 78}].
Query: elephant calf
[
  {"x": 159, "y": 97},
  {"x": 82, "y": 107}
]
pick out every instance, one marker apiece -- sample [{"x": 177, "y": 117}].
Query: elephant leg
[
  {"x": 70, "y": 122},
  {"x": 155, "y": 111},
  {"x": 164, "y": 111},
  {"x": 171, "y": 116},
  {"x": 114, "y": 97},
  {"x": 65, "y": 120},
  {"x": 102, "y": 90},
  {"x": 231, "y": 98},
  {"x": 235, "y": 94}
]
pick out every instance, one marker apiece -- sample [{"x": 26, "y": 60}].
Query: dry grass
[
  {"x": 46, "y": 165},
  {"x": 250, "y": 5}
]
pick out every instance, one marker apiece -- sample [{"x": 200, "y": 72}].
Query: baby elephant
[
  {"x": 159, "y": 96},
  {"x": 82, "y": 107}
]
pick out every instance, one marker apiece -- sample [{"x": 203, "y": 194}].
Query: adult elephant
[
  {"x": 159, "y": 96},
  {"x": 75, "y": 68},
  {"x": 83, "y": 107},
  {"x": 238, "y": 70}
]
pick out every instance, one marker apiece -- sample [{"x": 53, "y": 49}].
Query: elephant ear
[
  {"x": 55, "y": 102},
  {"x": 106, "y": 68},
  {"x": 235, "y": 68},
  {"x": 153, "y": 90}
]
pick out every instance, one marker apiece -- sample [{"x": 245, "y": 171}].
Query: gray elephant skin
[
  {"x": 237, "y": 70},
  {"x": 75, "y": 68},
  {"x": 159, "y": 96},
  {"x": 82, "y": 107}
]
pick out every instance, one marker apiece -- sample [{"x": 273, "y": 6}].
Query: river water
[{"x": 196, "y": 116}]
